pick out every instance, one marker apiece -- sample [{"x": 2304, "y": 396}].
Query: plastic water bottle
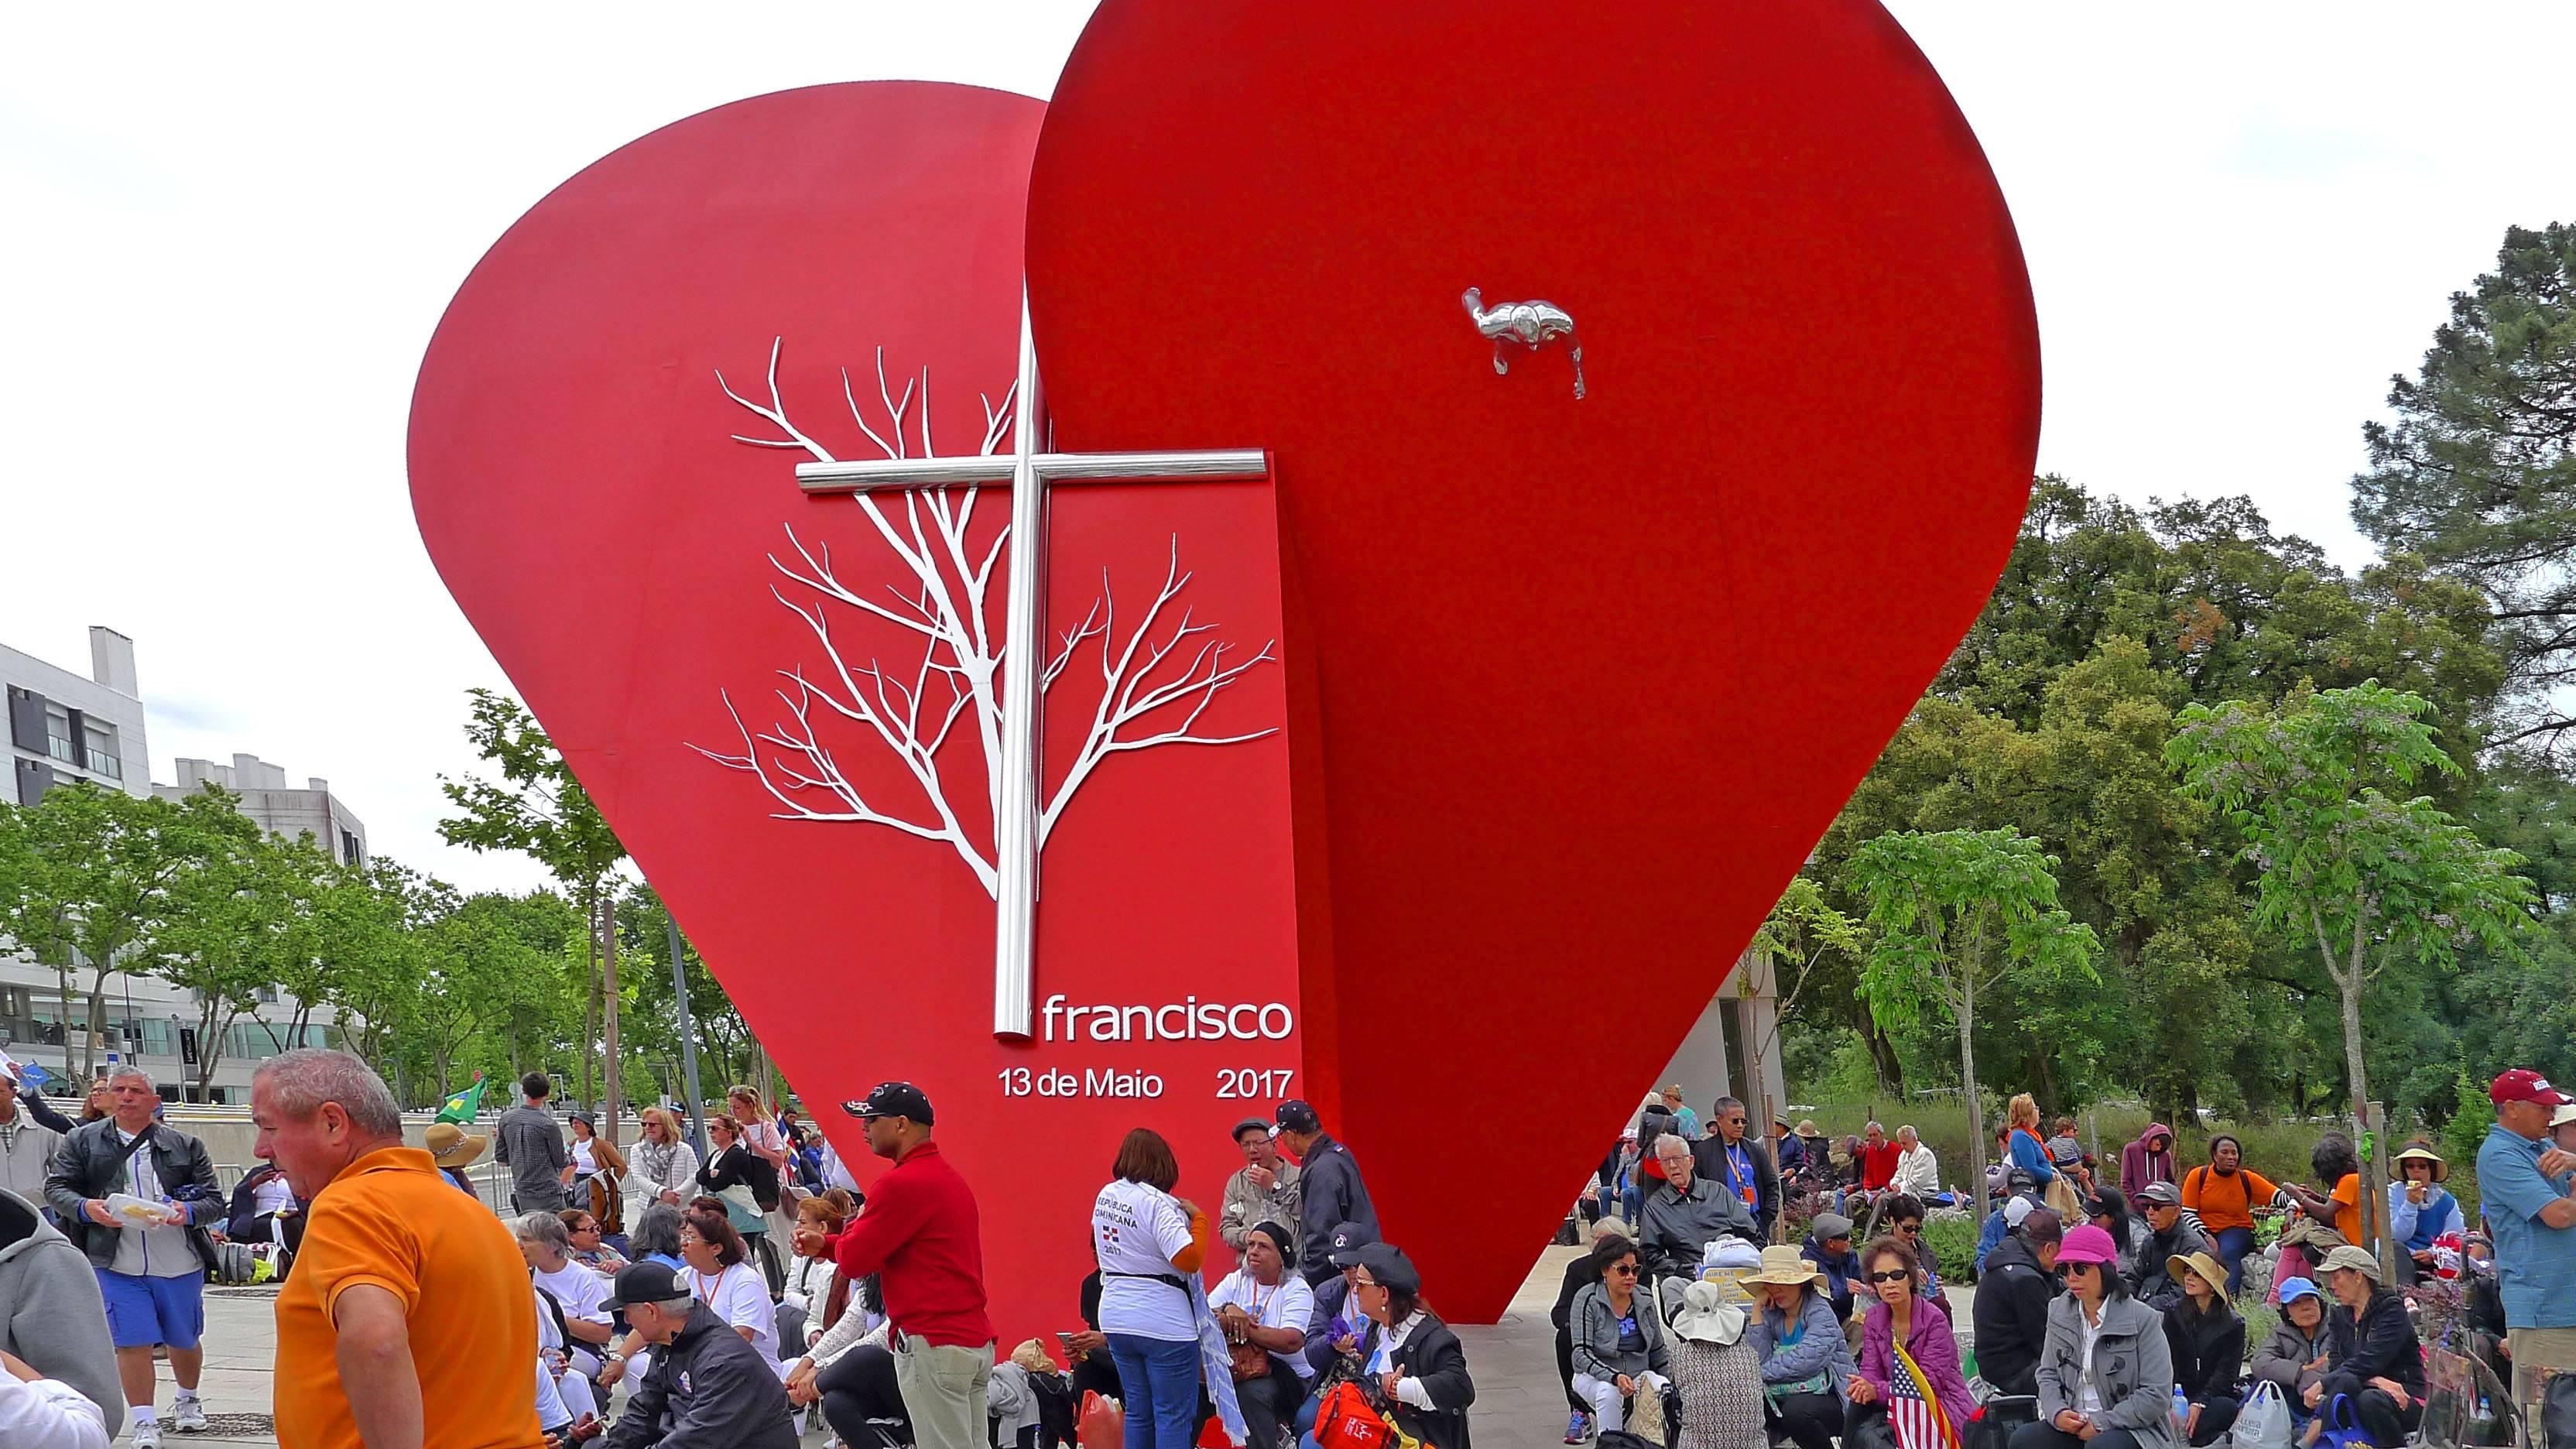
[{"x": 2182, "y": 1408}]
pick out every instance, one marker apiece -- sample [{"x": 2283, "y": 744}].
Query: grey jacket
[
  {"x": 1679, "y": 1226},
  {"x": 91, "y": 1164},
  {"x": 2132, "y": 1368},
  {"x": 1820, "y": 1349},
  {"x": 530, "y": 1142},
  {"x": 1594, "y": 1326},
  {"x": 50, "y": 1311},
  {"x": 2284, "y": 1357}
]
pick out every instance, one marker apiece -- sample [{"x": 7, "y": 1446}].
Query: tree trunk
[
  {"x": 97, "y": 1024},
  {"x": 608, "y": 1020},
  {"x": 2373, "y": 1221},
  {"x": 63, "y": 1020},
  {"x": 1968, "y": 1082}
]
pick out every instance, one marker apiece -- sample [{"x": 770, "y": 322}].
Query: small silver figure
[{"x": 1531, "y": 324}]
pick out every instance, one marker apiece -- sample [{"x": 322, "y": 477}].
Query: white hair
[
  {"x": 546, "y": 1230},
  {"x": 1680, "y": 1145},
  {"x": 123, "y": 1070},
  {"x": 1908, "y": 1133},
  {"x": 300, "y": 1081}
]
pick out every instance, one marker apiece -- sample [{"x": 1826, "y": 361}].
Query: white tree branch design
[{"x": 1157, "y": 681}]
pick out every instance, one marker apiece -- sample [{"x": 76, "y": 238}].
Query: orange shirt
[
  {"x": 2225, "y": 1202},
  {"x": 2347, "y": 1200},
  {"x": 391, "y": 1220}
]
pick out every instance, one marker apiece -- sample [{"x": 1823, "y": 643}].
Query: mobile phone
[{"x": 1065, "y": 1339}]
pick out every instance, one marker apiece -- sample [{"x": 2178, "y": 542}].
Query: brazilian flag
[{"x": 462, "y": 1106}]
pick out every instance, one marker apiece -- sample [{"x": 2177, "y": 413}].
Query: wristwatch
[{"x": 615, "y": 1357}]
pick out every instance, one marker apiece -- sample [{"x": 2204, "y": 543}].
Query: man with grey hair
[
  {"x": 393, "y": 1255},
  {"x": 707, "y": 1384},
  {"x": 150, "y": 1251}
]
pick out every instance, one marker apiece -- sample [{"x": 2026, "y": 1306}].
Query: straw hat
[
  {"x": 2201, "y": 1263},
  {"x": 1785, "y": 1265},
  {"x": 2420, "y": 1150},
  {"x": 1704, "y": 1315},
  {"x": 450, "y": 1147}
]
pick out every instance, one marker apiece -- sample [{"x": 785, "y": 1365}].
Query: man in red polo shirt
[{"x": 920, "y": 1233}]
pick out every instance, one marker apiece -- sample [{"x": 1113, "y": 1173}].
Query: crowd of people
[{"x": 1727, "y": 1299}]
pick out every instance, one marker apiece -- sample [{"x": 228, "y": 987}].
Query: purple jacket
[
  {"x": 2138, "y": 1166},
  {"x": 1934, "y": 1347}
]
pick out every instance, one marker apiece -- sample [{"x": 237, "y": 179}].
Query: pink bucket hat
[{"x": 2087, "y": 1244}]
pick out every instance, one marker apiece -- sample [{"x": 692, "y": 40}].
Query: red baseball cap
[{"x": 2523, "y": 1086}]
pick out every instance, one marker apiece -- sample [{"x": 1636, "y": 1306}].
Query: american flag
[{"x": 1919, "y": 1422}]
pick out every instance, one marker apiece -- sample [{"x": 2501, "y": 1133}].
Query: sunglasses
[
  {"x": 1911, "y": 1230},
  {"x": 1624, "y": 1270},
  {"x": 1891, "y": 1275},
  {"x": 2080, "y": 1267}
]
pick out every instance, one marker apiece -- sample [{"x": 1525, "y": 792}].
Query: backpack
[
  {"x": 764, "y": 1183},
  {"x": 1346, "y": 1419},
  {"x": 1055, "y": 1411}
]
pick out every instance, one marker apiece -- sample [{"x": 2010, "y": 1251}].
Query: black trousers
[
  {"x": 2045, "y": 1435},
  {"x": 2215, "y": 1417},
  {"x": 1810, "y": 1420},
  {"x": 861, "y": 1400},
  {"x": 1270, "y": 1403},
  {"x": 2385, "y": 1423}
]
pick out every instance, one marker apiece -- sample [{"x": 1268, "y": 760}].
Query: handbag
[
  {"x": 1347, "y": 1419},
  {"x": 2557, "y": 1426},
  {"x": 2263, "y": 1421},
  {"x": 2339, "y": 1427},
  {"x": 1249, "y": 1360}
]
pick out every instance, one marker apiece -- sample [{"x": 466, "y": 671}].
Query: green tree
[
  {"x": 2364, "y": 877},
  {"x": 235, "y": 926},
  {"x": 89, "y": 878},
  {"x": 2477, "y": 473},
  {"x": 726, "y": 1045},
  {"x": 1955, "y": 912},
  {"x": 1800, "y": 931},
  {"x": 374, "y": 985},
  {"x": 538, "y": 808}
]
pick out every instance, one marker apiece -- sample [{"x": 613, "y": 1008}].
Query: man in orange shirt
[{"x": 393, "y": 1255}]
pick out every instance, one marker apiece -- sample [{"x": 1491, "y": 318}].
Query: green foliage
[
  {"x": 1953, "y": 1241},
  {"x": 2477, "y": 474},
  {"x": 1954, "y": 913}
]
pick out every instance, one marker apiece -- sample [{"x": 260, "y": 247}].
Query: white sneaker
[
  {"x": 147, "y": 1436},
  {"x": 190, "y": 1415}
]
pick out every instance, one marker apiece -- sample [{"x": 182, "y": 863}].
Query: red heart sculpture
[
  {"x": 1576, "y": 681},
  {"x": 576, "y": 477}
]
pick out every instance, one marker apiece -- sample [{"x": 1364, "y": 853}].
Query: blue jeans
[
  {"x": 1159, "y": 1381},
  {"x": 2233, "y": 1245}
]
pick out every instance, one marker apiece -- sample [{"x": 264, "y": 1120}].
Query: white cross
[{"x": 1028, "y": 472}]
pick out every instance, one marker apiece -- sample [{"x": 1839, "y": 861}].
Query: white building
[
  {"x": 279, "y": 810},
  {"x": 62, "y": 728}
]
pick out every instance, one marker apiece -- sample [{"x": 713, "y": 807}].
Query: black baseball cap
[
  {"x": 1298, "y": 1115},
  {"x": 645, "y": 1283},
  {"x": 892, "y": 1099},
  {"x": 1343, "y": 1248}
]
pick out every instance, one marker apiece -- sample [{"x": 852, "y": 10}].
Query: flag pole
[{"x": 688, "y": 1034}]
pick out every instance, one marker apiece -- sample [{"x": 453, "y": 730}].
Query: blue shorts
[{"x": 144, "y": 1311}]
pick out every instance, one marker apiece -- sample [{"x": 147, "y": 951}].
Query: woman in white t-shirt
[
  {"x": 719, "y": 1276},
  {"x": 1150, "y": 1245},
  {"x": 1265, "y": 1307}
]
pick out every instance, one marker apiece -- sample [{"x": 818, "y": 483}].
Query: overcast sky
[{"x": 231, "y": 230}]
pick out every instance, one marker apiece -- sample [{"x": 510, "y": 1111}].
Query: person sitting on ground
[
  {"x": 1902, "y": 1214},
  {"x": 2067, "y": 1155},
  {"x": 2378, "y": 1364},
  {"x": 2023, "y": 1147},
  {"x": 2148, "y": 1159},
  {"x": 1793, "y": 1148},
  {"x": 1877, "y": 1161},
  {"x": 2006, "y": 1215},
  {"x": 1918, "y": 1172},
  {"x": 2420, "y": 1210},
  {"x": 2010, "y": 1313},
  {"x": 717, "y": 1272},
  {"x": 1685, "y": 1213},
  {"x": 2207, "y": 1342},
  {"x": 2338, "y": 1173},
  {"x": 2169, "y": 1240},
  {"x": 2106, "y": 1373},
  {"x": 1907, "y": 1353},
  {"x": 580, "y": 1292},
  {"x": 1579, "y": 1274},
  {"x": 2219, "y": 1198},
  {"x": 565, "y": 1396},
  {"x": 1415, "y": 1357},
  {"x": 2295, "y": 1357},
  {"x": 706, "y": 1385},
  {"x": 1717, "y": 1373},
  {"x": 653, "y": 1236},
  {"x": 1807, "y": 1365},
  {"x": 1619, "y": 1350},
  {"x": 589, "y": 1244},
  {"x": 2109, "y": 1211},
  {"x": 1829, "y": 1247},
  {"x": 1262, "y": 1309},
  {"x": 41, "y": 1413},
  {"x": 1999, "y": 1167},
  {"x": 810, "y": 1275},
  {"x": 264, "y": 1210},
  {"x": 1334, "y": 1333}
]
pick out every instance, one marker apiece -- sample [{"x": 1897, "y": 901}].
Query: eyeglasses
[{"x": 1891, "y": 1275}]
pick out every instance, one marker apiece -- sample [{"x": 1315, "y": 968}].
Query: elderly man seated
[{"x": 1683, "y": 1214}]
